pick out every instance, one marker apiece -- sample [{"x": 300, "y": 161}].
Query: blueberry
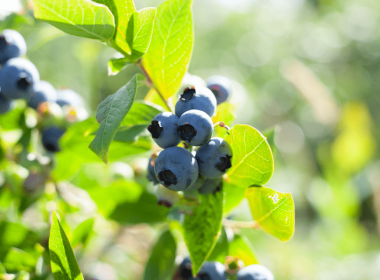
[
  {"x": 12, "y": 45},
  {"x": 42, "y": 92},
  {"x": 176, "y": 168},
  {"x": 220, "y": 86},
  {"x": 195, "y": 127},
  {"x": 151, "y": 175},
  {"x": 5, "y": 105},
  {"x": 254, "y": 272},
  {"x": 199, "y": 98},
  {"x": 164, "y": 130},
  {"x": 17, "y": 78},
  {"x": 214, "y": 158},
  {"x": 184, "y": 270},
  {"x": 50, "y": 138},
  {"x": 212, "y": 271},
  {"x": 69, "y": 97},
  {"x": 211, "y": 186}
]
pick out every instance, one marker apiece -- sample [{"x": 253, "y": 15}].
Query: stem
[
  {"x": 240, "y": 224},
  {"x": 152, "y": 84}
]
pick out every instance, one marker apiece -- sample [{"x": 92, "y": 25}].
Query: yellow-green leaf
[
  {"x": 252, "y": 159},
  {"x": 77, "y": 17},
  {"x": 170, "y": 51},
  {"x": 241, "y": 247},
  {"x": 273, "y": 211}
]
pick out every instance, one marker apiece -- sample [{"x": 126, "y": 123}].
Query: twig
[
  {"x": 150, "y": 82},
  {"x": 240, "y": 224}
]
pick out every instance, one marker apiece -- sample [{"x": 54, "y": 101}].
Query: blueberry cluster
[
  {"x": 217, "y": 271},
  {"x": 19, "y": 79},
  {"x": 177, "y": 168}
]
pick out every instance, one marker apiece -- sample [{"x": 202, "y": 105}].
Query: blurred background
[{"x": 309, "y": 68}]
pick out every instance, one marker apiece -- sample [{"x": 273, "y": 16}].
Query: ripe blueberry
[
  {"x": 50, "y": 138},
  {"x": 220, "y": 86},
  {"x": 164, "y": 130},
  {"x": 214, "y": 158},
  {"x": 195, "y": 127},
  {"x": 184, "y": 270},
  {"x": 17, "y": 78},
  {"x": 5, "y": 104},
  {"x": 254, "y": 272},
  {"x": 151, "y": 175},
  {"x": 42, "y": 92},
  {"x": 211, "y": 186},
  {"x": 176, "y": 168},
  {"x": 199, "y": 98},
  {"x": 69, "y": 97},
  {"x": 212, "y": 271},
  {"x": 12, "y": 45}
]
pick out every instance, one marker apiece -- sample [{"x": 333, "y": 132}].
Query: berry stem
[
  {"x": 150, "y": 82},
  {"x": 241, "y": 224}
]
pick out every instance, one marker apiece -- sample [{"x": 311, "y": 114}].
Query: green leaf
[
  {"x": 82, "y": 233},
  {"x": 122, "y": 11},
  {"x": 160, "y": 265},
  {"x": 139, "y": 32},
  {"x": 15, "y": 235},
  {"x": 77, "y": 17},
  {"x": 273, "y": 211},
  {"x": 115, "y": 65},
  {"x": 63, "y": 262},
  {"x": 17, "y": 260},
  {"x": 202, "y": 227},
  {"x": 220, "y": 251},
  {"x": 241, "y": 247},
  {"x": 144, "y": 210},
  {"x": 130, "y": 134},
  {"x": 233, "y": 194},
  {"x": 111, "y": 113},
  {"x": 141, "y": 113},
  {"x": 252, "y": 159},
  {"x": 170, "y": 51}
]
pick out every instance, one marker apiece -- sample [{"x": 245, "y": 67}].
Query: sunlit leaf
[
  {"x": 273, "y": 211},
  {"x": 63, "y": 262},
  {"x": 170, "y": 51},
  {"x": 17, "y": 259},
  {"x": 220, "y": 251},
  {"x": 241, "y": 247},
  {"x": 82, "y": 233},
  {"x": 233, "y": 196},
  {"x": 110, "y": 114},
  {"x": 225, "y": 112},
  {"x": 77, "y": 17},
  {"x": 153, "y": 97},
  {"x": 202, "y": 227},
  {"x": 252, "y": 159},
  {"x": 115, "y": 65},
  {"x": 161, "y": 262}
]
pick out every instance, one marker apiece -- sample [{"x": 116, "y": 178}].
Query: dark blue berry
[
  {"x": 214, "y": 158},
  {"x": 199, "y": 98},
  {"x": 212, "y": 271},
  {"x": 254, "y": 272},
  {"x": 12, "y": 45},
  {"x": 17, "y": 78},
  {"x": 5, "y": 105},
  {"x": 164, "y": 130},
  {"x": 151, "y": 175},
  {"x": 220, "y": 86},
  {"x": 42, "y": 92},
  {"x": 195, "y": 127},
  {"x": 50, "y": 138},
  {"x": 176, "y": 168}
]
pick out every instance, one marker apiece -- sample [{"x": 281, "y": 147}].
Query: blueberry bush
[{"x": 174, "y": 159}]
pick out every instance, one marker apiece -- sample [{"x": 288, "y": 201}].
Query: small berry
[
  {"x": 17, "y": 78},
  {"x": 184, "y": 270},
  {"x": 42, "y": 91},
  {"x": 69, "y": 97},
  {"x": 214, "y": 158},
  {"x": 199, "y": 98},
  {"x": 164, "y": 130},
  {"x": 50, "y": 138},
  {"x": 151, "y": 175},
  {"x": 212, "y": 271},
  {"x": 220, "y": 86},
  {"x": 176, "y": 168},
  {"x": 254, "y": 272},
  {"x": 195, "y": 127},
  {"x": 12, "y": 45}
]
